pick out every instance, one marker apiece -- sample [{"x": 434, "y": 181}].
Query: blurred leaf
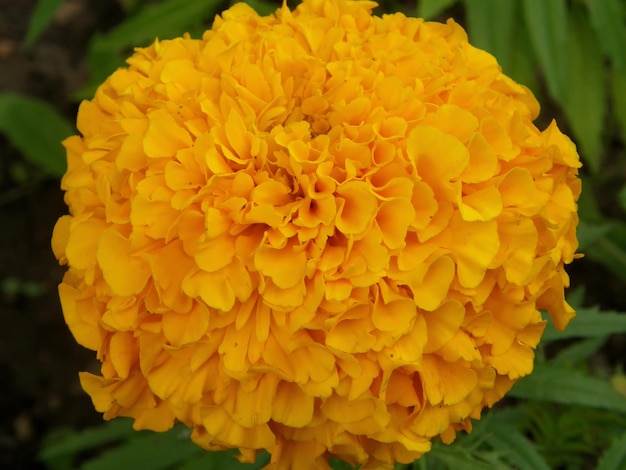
[
  {"x": 615, "y": 457},
  {"x": 429, "y": 9},
  {"x": 222, "y": 460},
  {"x": 588, "y": 209},
  {"x": 588, "y": 323},
  {"x": 493, "y": 25},
  {"x": 521, "y": 453},
  {"x": 618, "y": 98},
  {"x": 586, "y": 91},
  {"x": 101, "y": 62},
  {"x": 36, "y": 129},
  {"x": 490, "y": 26},
  {"x": 108, "y": 432},
  {"x": 523, "y": 67},
  {"x": 621, "y": 197},
  {"x": 41, "y": 19},
  {"x": 131, "y": 6},
  {"x": 546, "y": 23},
  {"x": 607, "y": 18},
  {"x": 579, "y": 351},
  {"x": 457, "y": 457},
  {"x": 147, "y": 449},
  {"x": 338, "y": 464},
  {"x": 575, "y": 296},
  {"x": 164, "y": 20},
  {"x": 262, "y": 7},
  {"x": 588, "y": 234},
  {"x": 610, "y": 250},
  {"x": 556, "y": 384}
]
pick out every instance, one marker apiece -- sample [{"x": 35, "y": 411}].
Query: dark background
[
  {"x": 39, "y": 360},
  {"x": 40, "y": 394}
]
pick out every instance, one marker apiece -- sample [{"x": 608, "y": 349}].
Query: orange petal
[{"x": 124, "y": 273}]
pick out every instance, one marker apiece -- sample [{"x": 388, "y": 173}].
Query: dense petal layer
[{"x": 320, "y": 233}]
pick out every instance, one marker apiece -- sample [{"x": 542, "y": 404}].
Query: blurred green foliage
[{"x": 572, "y": 54}]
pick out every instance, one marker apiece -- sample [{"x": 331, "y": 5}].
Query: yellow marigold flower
[{"x": 318, "y": 233}]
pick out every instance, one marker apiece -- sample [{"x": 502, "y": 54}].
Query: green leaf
[
  {"x": 621, "y": 197},
  {"x": 610, "y": 250},
  {"x": 164, "y": 20},
  {"x": 588, "y": 208},
  {"x": 586, "y": 91},
  {"x": 615, "y": 457},
  {"x": 147, "y": 449},
  {"x": 589, "y": 323},
  {"x": 338, "y": 464},
  {"x": 523, "y": 63},
  {"x": 101, "y": 62},
  {"x": 41, "y": 19},
  {"x": 36, "y": 129},
  {"x": 556, "y": 384},
  {"x": 579, "y": 351},
  {"x": 491, "y": 25},
  {"x": 262, "y": 7},
  {"x": 455, "y": 457},
  {"x": 618, "y": 97},
  {"x": 429, "y": 9},
  {"x": 546, "y": 23},
  {"x": 607, "y": 18},
  {"x": 588, "y": 234},
  {"x": 222, "y": 460},
  {"x": 108, "y": 432},
  {"x": 516, "y": 448}
]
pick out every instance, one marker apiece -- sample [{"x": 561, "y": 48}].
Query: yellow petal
[
  {"x": 122, "y": 352},
  {"x": 516, "y": 362},
  {"x": 131, "y": 155},
  {"x": 185, "y": 328},
  {"x": 483, "y": 161},
  {"x": 442, "y": 324},
  {"x": 285, "y": 266},
  {"x": 519, "y": 239},
  {"x": 212, "y": 287},
  {"x": 81, "y": 316},
  {"x": 395, "y": 316},
  {"x": 356, "y": 207},
  {"x": 342, "y": 410},
  {"x": 313, "y": 362},
  {"x": 124, "y": 273},
  {"x": 60, "y": 237},
  {"x": 94, "y": 386},
  {"x": 164, "y": 136},
  {"x": 351, "y": 336},
  {"x": 292, "y": 407},
  {"x": 83, "y": 240},
  {"x": 476, "y": 245},
  {"x": 161, "y": 418},
  {"x": 438, "y": 157},
  {"x": 254, "y": 408},
  {"x": 216, "y": 253},
  {"x": 225, "y": 431},
  {"x": 484, "y": 204},
  {"x": 432, "y": 289},
  {"x": 446, "y": 382},
  {"x": 456, "y": 121},
  {"x": 393, "y": 219}
]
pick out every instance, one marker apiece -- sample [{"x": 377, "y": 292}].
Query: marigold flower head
[{"x": 318, "y": 233}]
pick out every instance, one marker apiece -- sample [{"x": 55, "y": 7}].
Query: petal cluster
[{"x": 319, "y": 233}]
